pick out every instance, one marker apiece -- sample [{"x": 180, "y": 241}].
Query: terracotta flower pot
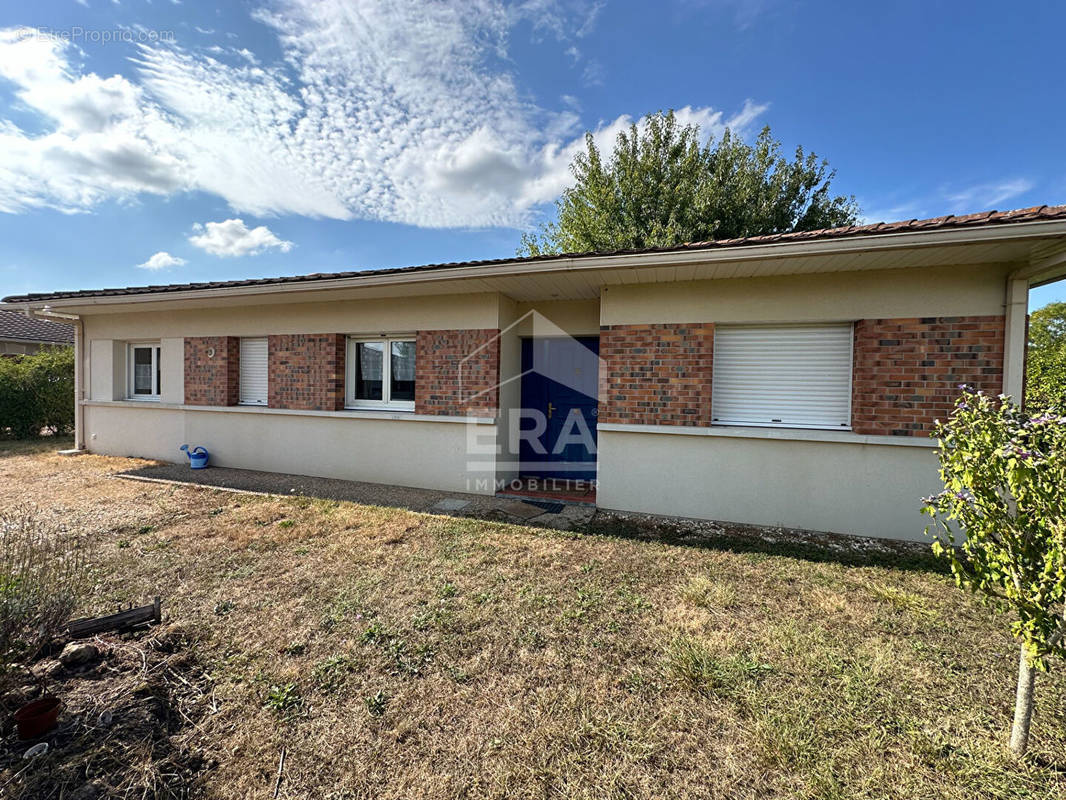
[{"x": 37, "y": 718}]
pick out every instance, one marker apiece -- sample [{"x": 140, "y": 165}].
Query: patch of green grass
[
  {"x": 330, "y": 674},
  {"x": 692, "y": 664},
  {"x": 712, "y": 595}
]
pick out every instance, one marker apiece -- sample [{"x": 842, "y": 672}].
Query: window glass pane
[
  {"x": 402, "y": 375},
  {"x": 142, "y": 370},
  {"x": 369, "y": 357},
  {"x": 158, "y": 371}
]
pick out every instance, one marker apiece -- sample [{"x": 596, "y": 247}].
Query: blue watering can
[{"x": 197, "y": 456}]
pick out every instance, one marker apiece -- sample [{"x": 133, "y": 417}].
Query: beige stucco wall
[
  {"x": 418, "y": 453},
  {"x": 864, "y": 489},
  {"x": 824, "y": 297},
  {"x": 391, "y": 315},
  {"x": 575, "y": 317}
]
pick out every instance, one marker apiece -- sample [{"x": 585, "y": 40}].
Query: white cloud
[
  {"x": 162, "y": 260},
  {"x": 985, "y": 196},
  {"x": 233, "y": 238},
  {"x": 399, "y": 111}
]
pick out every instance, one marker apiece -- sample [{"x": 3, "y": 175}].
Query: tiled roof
[
  {"x": 16, "y": 325},
  {"x": 985, "y": 218}
]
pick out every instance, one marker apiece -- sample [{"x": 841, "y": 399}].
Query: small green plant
[
  {"x": 287, "y": 523},
  {"x": 223, "y": 607},
  {"x": 141, "y": 531},
  {"x": 294, "y": 649},
  {"x": 377, "y": 703},
  {"x": 284, "y": 700},
  {"x": 375, "y": 633},
  {"x": 1000, "y": 522},
  {"x": 410, "y": 661}
]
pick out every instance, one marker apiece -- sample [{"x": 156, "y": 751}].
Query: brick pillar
[
  {"x": 306, "y": 371},
  {"x": 212, "y": 370},
  {"x": 907, "y": 371},
  {"x": 457, "y": 372},
  {"x": 657, "y": 374}
]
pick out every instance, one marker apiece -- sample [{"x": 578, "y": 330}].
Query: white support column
[
  {"x": 79, "y": 382},
  {"x": 1014, "y": 345}
]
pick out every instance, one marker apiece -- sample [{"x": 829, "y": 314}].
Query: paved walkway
[{"x": 544, "y": 514}]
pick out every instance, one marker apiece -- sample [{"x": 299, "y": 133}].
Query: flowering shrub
[{"x": 1001, "y": 522}]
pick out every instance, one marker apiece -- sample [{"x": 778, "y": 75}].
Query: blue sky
[{"x": 165, "y": 141}]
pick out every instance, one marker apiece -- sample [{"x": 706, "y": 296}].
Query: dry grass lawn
[{"x": 401, "y": 655}]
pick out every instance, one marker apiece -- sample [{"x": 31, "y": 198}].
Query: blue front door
[{"x": 559, "y": 387}]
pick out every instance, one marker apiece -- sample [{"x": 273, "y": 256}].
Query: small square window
[{"x": 381, "y": 373}]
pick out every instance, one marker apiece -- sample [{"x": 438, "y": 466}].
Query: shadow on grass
[
  {"x": 30, "y": 447},
  {"x": 850, "y": 551}
]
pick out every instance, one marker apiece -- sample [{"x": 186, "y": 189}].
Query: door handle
[{"x": 551, "y": 408}]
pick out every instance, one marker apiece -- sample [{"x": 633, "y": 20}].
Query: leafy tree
[
  {"x": 661, "y": 188},
  {"x": 1001, "y": 523},
  {"x": 1045, "y": 383}
]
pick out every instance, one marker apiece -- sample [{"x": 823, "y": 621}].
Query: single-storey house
[
  {"x": 22, "y": 334},
  {"x": 781, "y": 380}
]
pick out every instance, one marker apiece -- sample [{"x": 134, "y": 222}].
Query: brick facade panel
[
  {"x": 306, "y": 371},
  {"x": 907, "y": 371},
  {"x": 656, "y": 374},
  {"x": 457, "y": 372},
  {"x": 212, "y": 370}
]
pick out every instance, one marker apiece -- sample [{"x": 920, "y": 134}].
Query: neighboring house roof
[
  {"x": 983, "y": 219},
  {"x": 16, "y": 326}
]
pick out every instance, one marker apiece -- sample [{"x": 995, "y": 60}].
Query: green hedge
[{"x": 37, "y": 393}]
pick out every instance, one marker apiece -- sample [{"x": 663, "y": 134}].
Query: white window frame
[
  {"x": 240, "y": 373},
  {"x": 850, "y": 325},
  {"x": 386, "y": 402},
  {"x": 157, "y": 353}
]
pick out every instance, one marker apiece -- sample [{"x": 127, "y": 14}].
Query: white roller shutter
[
  {"x": 782, "y": 375},
  {"x": 254, "y": 372}
]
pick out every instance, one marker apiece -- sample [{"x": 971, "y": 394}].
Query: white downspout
[
  {"x": 79, "y": 339},
  {"x": 1014, "y": 345}
]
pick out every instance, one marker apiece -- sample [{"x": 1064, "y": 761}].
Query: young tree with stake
[{"x": 1001, "y": 523}]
